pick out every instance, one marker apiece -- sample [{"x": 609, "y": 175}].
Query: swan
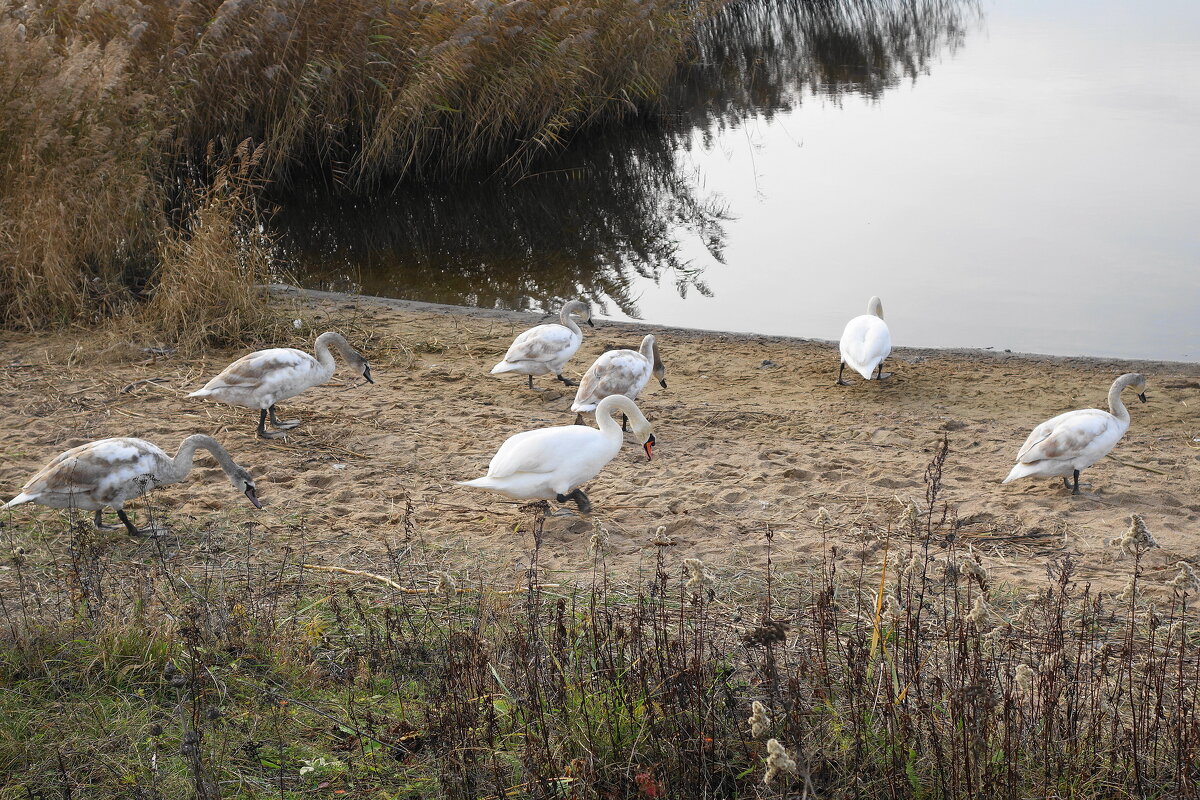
[
  {"x": 619, "y": 372},
  {"x": 1077, "y": 439},
  {"x": 263, "y": 378},
  {"x": 547, "y": 348},
  {"x": 865, "y": 343},
  {"x": 551, "y": 463},
  {"x": 109, "y": 472}
]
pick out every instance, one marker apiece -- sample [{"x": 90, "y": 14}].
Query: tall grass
[
  {"x": 107, "y": 108},
  {"x": 897, "y": 671}
]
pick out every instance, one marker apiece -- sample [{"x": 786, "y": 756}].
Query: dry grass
[
  {"x": 217, "y": 666},
  {"x": 107, "y": 108}
]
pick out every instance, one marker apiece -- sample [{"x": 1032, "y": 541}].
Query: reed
[{"x": 108, "y": 107}]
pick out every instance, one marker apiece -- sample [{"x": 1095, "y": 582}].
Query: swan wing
[
  {"x": 615, "y": 372},
  {"x": 1067, "y": 436},
  {"x": 101, "y": 470},
  {"x": 546, "y": 450},
  {"x": 263, "y": 370},
  {"x": 865, "y": 342},
  {"x": 542, "y": 343}
]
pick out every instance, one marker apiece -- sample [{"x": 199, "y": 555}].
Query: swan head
[
  {"x": 244, "y": 483},
  {"x": 581, "y": 308},
  {"x": 648, "y": 446},
  {"x": 660, "y": 372},
  {"x": 1138, "y": 382}
]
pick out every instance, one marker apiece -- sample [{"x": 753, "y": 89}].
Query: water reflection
[{"x": 621, "y": 205}]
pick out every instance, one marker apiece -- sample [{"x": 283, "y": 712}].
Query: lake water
[{"x": 1021, "y": 175}]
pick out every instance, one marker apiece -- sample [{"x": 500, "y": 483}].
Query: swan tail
[
  {"x": 503, "y": 366},
  {"x": 1019, "y": 471},
  {"x": 200, "y": 393},
  {"x": 18, "y": 500},
  {"x": 479, "y": 483},
  {"x": 583, "y": 408}
]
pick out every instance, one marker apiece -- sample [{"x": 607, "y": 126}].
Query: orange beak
[{"x": 649, "y": 446}]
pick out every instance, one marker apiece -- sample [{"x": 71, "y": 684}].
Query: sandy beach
[{"x": 752, "y": 433}]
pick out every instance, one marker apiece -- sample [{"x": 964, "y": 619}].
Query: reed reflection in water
[{"x": 621, "y": 205}]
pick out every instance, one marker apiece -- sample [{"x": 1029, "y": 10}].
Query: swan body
[
  {"x": 110, "y": 472},
  {"x": 1073, "y": 441},
  {"x": 624, "y": 372},
  {"x": 265, "y": 377},
  {"x": 866, "y": 342},
  {"x": 552, "y": 463},
  {"x": 546, "y": 349}
]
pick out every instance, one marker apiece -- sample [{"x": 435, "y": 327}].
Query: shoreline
[
  {"x": 753, "y": 436},
  {"x": 534, "y": 318}
]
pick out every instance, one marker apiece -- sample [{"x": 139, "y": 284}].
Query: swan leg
[
  {"x": 263, "y": 433},
  {"x": 150, "y": 530},
  {"x": 567, "y": 381},
  {"x": 842, "y": 381},
  {"x": 1075, "y": 489},
  {"x": 881, "y": 374},
  {"x": 530, "y": 377},
  {"x": 99, "y": 523},
  {"x": 281, "y": 424},
  {"x": 581, "y": 500},
  {"x": 624, "y": 423}
]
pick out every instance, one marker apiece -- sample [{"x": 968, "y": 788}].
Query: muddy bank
[{"x": 752, "y": 433}]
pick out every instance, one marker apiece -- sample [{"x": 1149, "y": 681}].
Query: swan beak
[
  {"x": 367, "y": 373},
  {"x": 663, "y": 383},
  {"x": 252, "y": 497},
  {"x": 1142, "y": 396},
  {"x": 649, "y": 446}
]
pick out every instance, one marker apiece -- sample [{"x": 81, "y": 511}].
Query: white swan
[
  {"x": 865, "y": 343},
  {"x": 551, "y": 463},
  {"x": 619, "y": 372},
  {"x": 545, "y": 349},
  {"x": 109, "y": 472},
  {"x": 265, "y": 377},
  {"x": 1077, "y": 439}
]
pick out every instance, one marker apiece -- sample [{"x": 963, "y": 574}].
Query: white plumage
[
  {"x": 865, "y": 343},
  {"x": 1073, "y": 441},
  {"x": 552, "y": 463},
  {"x": 624, "y": 372},
  {"x": 265, "y": 377},
  {"x": 546, "y": 349},
  {"x": 110, "y": 472}
]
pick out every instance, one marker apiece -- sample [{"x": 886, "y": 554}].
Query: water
[{"x": 1019, "y": 175}]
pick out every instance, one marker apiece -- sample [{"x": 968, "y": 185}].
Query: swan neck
[
  {"x": 564, "y": 317},
  {"x": 613, "y": 403},
  {"x": 324, "y": 356},
  {"x": 875, "y": 306},
  {"x": 187, "y": 451},
  {"x": 1115, "y": 406},
  {"x": 649, "y": 350}
]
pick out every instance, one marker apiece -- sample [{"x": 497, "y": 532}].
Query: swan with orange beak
[{"x": 552, "y": 463}]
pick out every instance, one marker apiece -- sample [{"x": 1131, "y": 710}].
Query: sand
[{"x": 752, "y": 434}]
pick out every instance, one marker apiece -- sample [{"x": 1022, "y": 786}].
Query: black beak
[
  {"x": 649, "y": 446},
  {"x": 367, "y": 373},
  {"x": 250, "y": 494},
  {"x": 591, "y": 323},
  {"x": 663, "y": 383},
  {"x": 1142, "y": 396}
]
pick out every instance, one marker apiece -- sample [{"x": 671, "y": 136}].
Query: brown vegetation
[{"x": 108, "y": 107}]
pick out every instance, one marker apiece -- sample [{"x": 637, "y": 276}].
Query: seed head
[
  {"x": 759, "y": 722},
  {"x": 1187, "y": 581},
  {"x": 699, "y": 578},
  {"x": 1137, "y": 539},
  {"x": 446, "y": 585},
  {"x": 823, "y": 517},
  {"x": 981, "y": 613},
  {"x": 1023, "y": 677},
  {"x": 598, "y": 544},
  {"x": 778, "y": 762}
]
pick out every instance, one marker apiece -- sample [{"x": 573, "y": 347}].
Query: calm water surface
[{"x": 1021, "y": 174}]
